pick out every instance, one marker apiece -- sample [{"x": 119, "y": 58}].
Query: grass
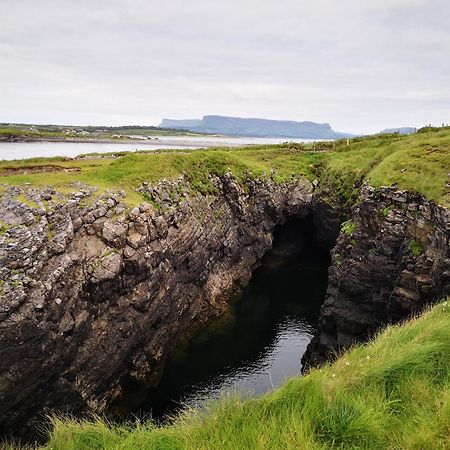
[
  {"x": 392, "y": 393},
  {"x": 12, "y": 132},
  {"x": 418, "y": 162},
  {"x": 3, "y": 228},
  {"x": 348, "y": 227},
  {"x": 129, "y": 171},
  {"x": 415, "y": 247},
  {"x": 64, "y": 132}
]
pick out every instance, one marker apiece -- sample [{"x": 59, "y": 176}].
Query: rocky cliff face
[
  {"x": 391, "y": 258},
  {"x": 91, "y": 293}
]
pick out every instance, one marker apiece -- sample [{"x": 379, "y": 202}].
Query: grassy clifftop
[
  {"x": 129, "y": 170},
  {"x": 391, "y": 393},
  {"x": 418, "y": 162}
]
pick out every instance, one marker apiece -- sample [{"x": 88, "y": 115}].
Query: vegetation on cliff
[
  {"x": 391, "y": 393},
  {"x": 419, "y": 162}
]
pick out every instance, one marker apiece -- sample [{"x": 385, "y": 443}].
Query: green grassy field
[
  {"x": 130, "y": 170},
  {"x": 419, "y": 162},
  {"x": 392, "y": 393},
  {"x": 66, "y": 132}
]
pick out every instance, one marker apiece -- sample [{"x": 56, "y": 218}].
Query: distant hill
[
  {"x": 237, "y": 126},
  {"x": 401, "y": 130}
]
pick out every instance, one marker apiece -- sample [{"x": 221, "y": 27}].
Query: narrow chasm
[{"x": 258, "y": 344}]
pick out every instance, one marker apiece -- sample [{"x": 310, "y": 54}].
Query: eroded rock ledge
[
  {"x": 392, "y": 258},
  {"x": 91, "y": 293}
]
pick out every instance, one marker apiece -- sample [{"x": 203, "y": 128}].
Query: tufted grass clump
[
  {"x": 393, "y": 392},
  {"x": 415, "y": 247},
  {"x": 348, "y": 227},
  {"x": 3, "y": 228}
]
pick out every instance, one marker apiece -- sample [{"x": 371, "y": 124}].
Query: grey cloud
[{"x": 361, "y": 66}]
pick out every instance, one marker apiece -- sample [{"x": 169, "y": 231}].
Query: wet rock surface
[
  {"x": 92, "y": 292},
  {"x": 392, "y": 258}
]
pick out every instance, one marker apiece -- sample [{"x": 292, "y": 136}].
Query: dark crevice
[{"x": 259, "y": 343}]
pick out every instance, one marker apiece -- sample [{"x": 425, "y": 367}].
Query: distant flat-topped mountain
[{"x": 237, "y": 126}]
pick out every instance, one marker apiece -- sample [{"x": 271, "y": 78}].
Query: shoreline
[{"x": 81, "y": 140}]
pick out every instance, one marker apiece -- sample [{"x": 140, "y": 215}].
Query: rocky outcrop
[
  {"x": 92, "y": 292},
  {"x": 391, "y": 258},
  {"x": 327, "y": 218}
]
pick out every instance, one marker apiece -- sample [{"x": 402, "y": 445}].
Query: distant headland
[{"x": 238, "y": 126}]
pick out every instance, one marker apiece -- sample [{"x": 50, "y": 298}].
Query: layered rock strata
[
  {"x": 92, "y": 292},
  {"x": 392, "y": 258}
]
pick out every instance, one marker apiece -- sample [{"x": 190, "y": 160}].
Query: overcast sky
[{"x": 359, "y": 65}]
